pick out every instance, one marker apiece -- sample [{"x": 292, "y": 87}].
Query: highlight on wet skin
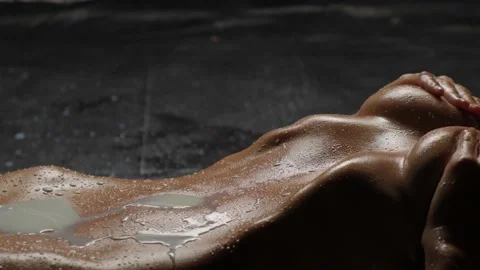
[{"x": 360, "y": 191}]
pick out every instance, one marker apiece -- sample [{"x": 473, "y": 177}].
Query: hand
[
  {"x": 457, "y": 191},
  {"x": 457, "y": 92},
  {"x": 443, "y": 86},
  {"x": 452, "y": 229}
]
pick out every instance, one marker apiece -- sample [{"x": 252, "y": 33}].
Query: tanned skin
[{"x": 390, "y": 187}]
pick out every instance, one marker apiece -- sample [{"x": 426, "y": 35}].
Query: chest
[{"x": 341, "y": 140}]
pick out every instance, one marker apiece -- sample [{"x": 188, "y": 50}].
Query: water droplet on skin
[
  {"x": 100, "y": 183},
  {"x": 47, "y": 189},
  {"x": 169, "y": 201}
]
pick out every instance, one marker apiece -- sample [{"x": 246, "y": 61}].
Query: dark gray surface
[{"x": 165, "y": 93}]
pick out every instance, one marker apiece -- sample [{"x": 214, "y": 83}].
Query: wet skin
[{"x": 327, "y": 192}]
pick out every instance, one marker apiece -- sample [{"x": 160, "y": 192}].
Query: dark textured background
[{"x": 110, "y": 89}]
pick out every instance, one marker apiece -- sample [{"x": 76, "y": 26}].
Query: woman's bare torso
[
  {"x": 247, "y": 187},
  {"x": 112, "y": 223}
]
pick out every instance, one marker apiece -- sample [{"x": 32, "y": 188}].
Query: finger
[
  {"x": 446, "y": 78},
  {"x": 474, "y": 110},
  {"x": 466, "y": 95},
  {"x": 431, "y": 83},
  {"x": 467, "y": 144},
  {"x": 452, "y": 95},
  {"x": 462, "y": 90},
  {"x": 477, "y": 100}
]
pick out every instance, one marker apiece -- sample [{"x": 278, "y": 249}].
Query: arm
[
  {"x": 423, "y": 168},
  {"x": 452, "y": 230},
  {"x": 423, "y": 102},
  {"x": 441, "y": 172}
]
